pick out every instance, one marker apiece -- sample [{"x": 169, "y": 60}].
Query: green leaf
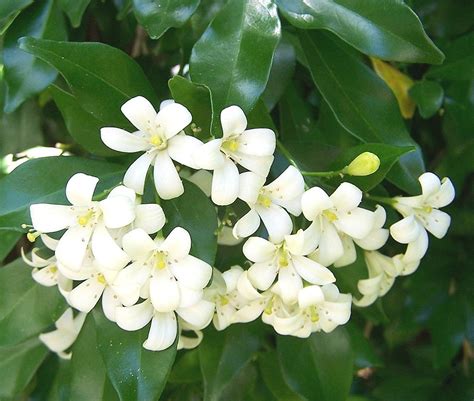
[
  {"x": 9, "y": 10},
  {"x": 361, "y": 102},
  {"x": 387, "y": 154},
  {"x": 370, "y": 28},
  {"x": 194, "y": 212},
  {"x": 9, "y": 240},
  {"x": 74, "y": 9},
  {"x": 428, "y": 95},
  {"x": 197, "y": 99},
  {"x": 26, "y": 308},
  {"x": 319, "y": 367},
  {"x": 43, "y": 186},
  {"x": 25, "y": 75},
  {"x": 135, "y": 373},
  {"x": 459, "y": 64},
  {"x": 18, "y": 364},
  {"x": 157, "y": 16},
  {"x": 364, "y": 352},
  {"x": 234, "y": 55},
  {"x": 102, "y": 78},
  {"x": 223, "y": 355},
  {"x": 83, "y": 126}
]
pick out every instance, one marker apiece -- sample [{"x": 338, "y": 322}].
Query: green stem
[
  {"x": 325, "y": 174},
  {"x": 381, "y": 199}
]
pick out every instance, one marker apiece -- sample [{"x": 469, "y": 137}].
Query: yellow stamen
[
  {"x": 331, "y": 216},
  {"x": 231, "y": 145},
  {"x": 160, "y": 260},
  {"x": 156, "y": 140},
  {"x": 427, "y": 209},
  {"x": 32, "y": 235},
  {"x": 269, "y": 307},
  {"x": 283, "y": 258},
  {"x": 101, "y": 278},
  {"x": 224, "y": 300},
  {"x": 85, "y": 218},
  {"x": 314, "y": 315},
  {"x": 53, "y": 269},
  {"x": 264, "y": 200}
]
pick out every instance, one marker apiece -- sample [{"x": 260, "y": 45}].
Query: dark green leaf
[
  {"x": 9, "y": 240},
  {"x": 24, "y": 74},
  {"x": 370, "y": 28},
  {"x": 194, "y": 212},
  {"x": 74, "y": 9},
  {"x": 18, "y": 364},
  {"x": 223, "y": 355},
  {"x": 364, "y": 352},
  {"x": 157, "y": 16},
  {"x": 9, "y": 10},
  {"x": 42, "y": 186},
  {"x": 428, "y": 95},
  {"x": 320, "y": 367},
  {"x": 82, "y": 126},
  {"x": 101, "y": 77},
  {"x": 136, "y": 373},
  {"x": 186, "y": 369},
  {"x": 234, "y": 55},
  {"x": 197, "y": 100},
  {"x": 361, "y": 101},
  {"x": 26, "y": 308}
]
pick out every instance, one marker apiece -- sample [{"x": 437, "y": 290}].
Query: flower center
[
  {"x": 53, "y": 268},
  {"x": 156, "y": 140},
  {"x": 264, "y": 200},
  {"x": 427, "y": 209},
  {"x": 160, "y": 260},
  {"x": 283, "y": 258},
  {"x": 224, "y": 300},
  {"x": 101, "y": 278},
  {"x": 313, "y": 314},
  {"x": 84, "y": 219},
  {"x": 331, "y": 216},
  {"x": 231, "y": 145}
]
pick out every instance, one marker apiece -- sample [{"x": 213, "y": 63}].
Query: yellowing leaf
[{"x": 399, "y": 83}]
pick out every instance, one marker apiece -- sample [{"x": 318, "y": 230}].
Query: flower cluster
[{"x": 110, "y": 247}]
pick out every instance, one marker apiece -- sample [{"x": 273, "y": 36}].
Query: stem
[
  {"x": 325, "y": 174},
  {"x": 284, "y": 151},
  {"x": 381, "y": 199}
]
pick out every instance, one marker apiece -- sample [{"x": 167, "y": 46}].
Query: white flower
[
  {"x": 252, "y": 149},
  {"x": 268, "y": 203},
  {"x": 410, "y": 231},
  {"x": 333, "y": 215},
  {"x": 286, "y": 259},
  {"x": 160, "y": 136},
  {"x": 185, "y": 341},
  {"x": 434, "y": 195},
  {"x": 67, "y": 330}
]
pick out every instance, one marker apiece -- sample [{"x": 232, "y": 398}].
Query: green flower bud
[{"x": 365, "y": 164}]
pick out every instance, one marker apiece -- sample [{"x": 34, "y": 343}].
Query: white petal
[
  {"x": 136, "y": 174},
  {"x": 350, "y": 254},
  {"x": 110, "y": 302},
  {"x": 416, "y": 249},
  {"x": 47, "y": 276},
  {"x": 177, "y": 243},
  {"x": 150, "y": 218},
  {"x": 49, "y": 242},
  {"x": 164, "y": 291},
  {"x": 311, "y": 295},
  {"x": 225, "y": 184},
  {"x": 330, "y": 245},
  {"x": 192, "y": 272},
  {"x": 129, "y": 281},
  {"x": 167, "y": 181},
  {"x": 313, "y": 202},
  {"x": 80, "y": 189},
  {"x": 139, "y": 112},
  {"x": 380, "y": 215},
  {"x": 138, "y": 244},
  {"x": 247, "y": 224},
  {"x": 209, "y": 155},
  {"x": 262, "y": 275},
  {"x": 117, "y": 211},
  {"x": 277, "y": 221},
  {"x": 430, "y": 184},
  {"x": 198, "y": 315},
  {"x": 444, "y": 196},
  {"x": 203, "y": 179},
  {"x": 181, "y": 149},
  {"x": 257, "y": 142},
  {"x": 312, "y": 271},
  {"x": 231, "y": 277},
  {"x": 166, "y": 102},
  {"x": 188, "y": 296},
  {"x": 436, "y": 222},
  {"x": 249, "y": 312},
  {"x": 106, "y": 251},
  {"x": 86, "y": 295},
  {"x": 295, "y": 243},
  {"x": 289, "y": 185},
  {"x": 173, "y": 119},
  {"x": 58, "y": 340},
  {"x": 245, "y": 287},
  {"x": 233, "y": 121},
  {"x": 258, "y": 164},
  {"x": 163, "y": 329},
  {"x": 134, "y": 317},
  {"x": 375, "y": 240},
  {"x": 405, "y": 230},
  {"x": 72, "y": 247},
  {"x": 225, "y": 235},
  {"x": 123, "y": 141},
  {"x": 258, "y": 249},
  {"x": 357, "y": 223},
  {"x": 312, "y": 235},
  {"x": 346, "y": 197},
  {"x": 290, "y": 284},
  {"x": 84, "y": 272},
  {"x": 250, "y": 185},
  {"x": 122, "y": 190},
  {"x": 50, "y": 218}
]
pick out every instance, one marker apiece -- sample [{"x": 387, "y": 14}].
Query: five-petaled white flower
[
  {"x": 162, "y": 138},
  {"x": 252, "y": 149}
]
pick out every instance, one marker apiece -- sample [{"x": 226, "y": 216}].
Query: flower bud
[{"x": 365, "y": 164}]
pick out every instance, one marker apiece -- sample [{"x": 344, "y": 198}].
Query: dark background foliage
[{"x": 300, "y": 68}]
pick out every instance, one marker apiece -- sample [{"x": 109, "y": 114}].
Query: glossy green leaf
[
  {"x": 319, "y": 367},
  {"x": 136, "y": 373},
  {"x": 364, "y": 350},
  {"x": 26, "y": 308},
  {"x": 157, "y": 16},
  {"x": 361, "y": 101},
  {"x": 25, "y": 75},
  {"x": 101, "y": 77},
  {"x": 44, "y": 186},
  {"x": 9, "y": 10},
  {"x": 428, "y": 95},
  {"x": 9, "y": 240},
  {"x": 74, "y": 9},
  {"x": 459, "y": 63},
  {"x": 83, "y": 126},
  {"x": 223, "y": 355},
  {"x": 370, "y": 28},
  {"x": 234, "y": 55},
  {"x": 194, "y": 212},
  {"x": 18, "y": 364},
  {"x": 197, "y": 100}
]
